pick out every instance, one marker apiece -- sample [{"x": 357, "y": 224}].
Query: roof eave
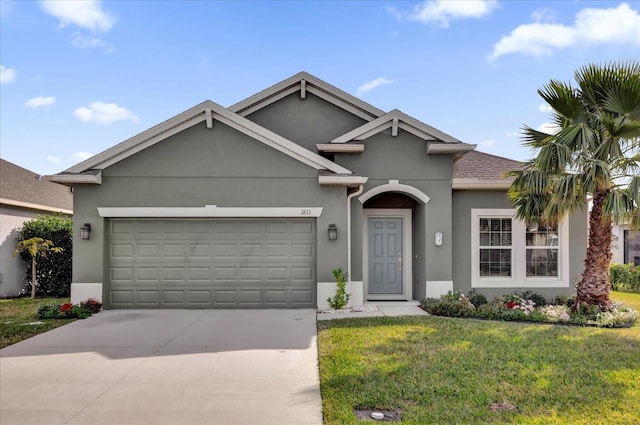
[
  {"x": 477, "y": 184},
  {"x": 350, "y": 181},
  {"x": 449, "y": 148},
  {"x": 73, "y": 179},
  {"x": 340, "y": 148}
]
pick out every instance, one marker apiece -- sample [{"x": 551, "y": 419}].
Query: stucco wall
[
  {"x": 306, "y": 121},
  {"x": 12, "y": 269},
  {"x": 464, "y": 201},
  {"x": 201, "y": 166}
]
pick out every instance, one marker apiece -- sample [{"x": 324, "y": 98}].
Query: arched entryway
[{"x": 388, "y": 242}]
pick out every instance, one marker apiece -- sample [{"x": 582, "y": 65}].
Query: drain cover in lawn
[{"x": 364, "y": 414}]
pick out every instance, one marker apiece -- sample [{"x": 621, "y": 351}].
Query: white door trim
[{"x": 407, "y": 276}]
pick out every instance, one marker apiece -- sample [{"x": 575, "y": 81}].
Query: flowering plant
[{"x": 66, "y": 307}]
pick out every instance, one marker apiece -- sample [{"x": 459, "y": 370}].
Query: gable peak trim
[{"x": 307, "y": 83}]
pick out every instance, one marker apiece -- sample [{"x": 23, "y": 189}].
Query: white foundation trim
[
  {"x": 437, "y": 288},
  {"x": 328, "y": 290},
  {"x": 83, "y": 291},
  {"x": 407, "y": 255},
  {"x": 209, "y": 211},
  {"x": 395, "y": 186}
]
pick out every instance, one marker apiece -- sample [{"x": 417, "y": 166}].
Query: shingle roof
[
  {"x": 19, "y": 186},
  {"x": 484, "y": 167}
]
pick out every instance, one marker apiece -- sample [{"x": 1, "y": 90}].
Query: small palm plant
[
  {"x": 36, "y": 246},
  {"x": 341, "y": 298}
]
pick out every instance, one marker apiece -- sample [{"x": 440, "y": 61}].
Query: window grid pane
[
  {"x": 543, "y": 261},
  {"x": 495, "y": 246}
]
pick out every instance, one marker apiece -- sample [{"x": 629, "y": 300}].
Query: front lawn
[
  {"x": 439, "y": 370},
  {"x": 18, "y": 319}
]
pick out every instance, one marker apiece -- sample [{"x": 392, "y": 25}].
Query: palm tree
[
  {"x": 595, "y": 153},
  {"x": 35, "y": 246}
]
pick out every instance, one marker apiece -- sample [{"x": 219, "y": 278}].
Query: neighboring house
[
  {"x": 254, "y": 205},
  {"x": 626, "y": 245},
  {"x": 23, "y": 195}
]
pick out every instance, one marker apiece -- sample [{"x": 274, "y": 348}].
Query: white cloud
[
  {"x": 442, "y": 12},
  {"x": 54, "y": 160},
  {"x": 543, "y": 15},
  {"x": 548, "y": 127},
  {"x": 7, "y": 75},
  {"x": 82, "y": 42},
  {"x": 367, "y": 87},
  {"x": 38, "y": 102},
  {"x": 87, "y": 14},
  {"x": 80, "y": 156},
  {"x": 545, "y": 107},
  {"x": 591, "y": 27},
  {"x": 104, "y": 113}
]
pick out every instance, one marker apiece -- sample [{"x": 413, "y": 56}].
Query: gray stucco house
[
  {"x": 254, "y": 205},
  {"x": 23, "y": 196}
]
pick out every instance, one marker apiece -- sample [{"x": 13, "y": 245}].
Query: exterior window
[
  {"x": 495, "y": 246},
  {"x": 542, "y": 251},
  {"x": 632, "y": 247},
  {"x": 508, "y": 253}
]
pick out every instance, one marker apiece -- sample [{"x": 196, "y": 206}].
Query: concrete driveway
[{"x": 167, "y": 367}]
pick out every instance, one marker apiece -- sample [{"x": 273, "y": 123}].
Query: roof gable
[
  {"x": 24, "y": 188},
  {"x": 304, "y": 82},
  {"x": 399, "y": 120},
  {"x": 208, "y": 112}
]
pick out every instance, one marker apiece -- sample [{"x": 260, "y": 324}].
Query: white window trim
[{"x": 518, "y": 278}]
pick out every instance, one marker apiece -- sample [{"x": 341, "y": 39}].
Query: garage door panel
[{"x": 212, "y": 263}]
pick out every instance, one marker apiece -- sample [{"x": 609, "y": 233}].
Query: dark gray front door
[{"x": 385, "y": 255}]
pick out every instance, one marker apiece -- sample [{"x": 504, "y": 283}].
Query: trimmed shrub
[
  {"x": 53, "y": 273},
  {"x": 535, "y": 297},
  {"x": 477, "y": 299},
  {"x": 625, "y": 277}
]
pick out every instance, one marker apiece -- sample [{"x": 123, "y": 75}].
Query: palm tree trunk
[
  {"x": 593, "y": 288},
  {"x": 33, "y": 278}
]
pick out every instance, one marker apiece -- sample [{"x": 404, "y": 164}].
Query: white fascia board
[
  {"x": 341, "y": 148},
  {"x": 153, "y": 135},
  {"x": 342, "y": 180},
  {"x": 449, "y": 148},
  {"x": 476, "y": 184},
  {"x": 370, "y": 128},
  {"x": 277, "y": 142},
  {"x": 314, "y": 85},
  {"x": 197, "y": 115},
  {"x": 341, "y": 103},
  {"x": 425, "y": 128},
  {"x": 249, "y": 109},
  {"x": 71, "y": 179},
  {"x": 32, "y": 206},
  {"x": 212, "y": 211}
]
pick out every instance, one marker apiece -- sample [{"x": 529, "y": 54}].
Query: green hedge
[
  {"x": 625, "y": 277},
  {"x": 54, "y": 272}
]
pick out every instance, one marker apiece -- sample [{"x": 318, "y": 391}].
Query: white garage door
[{"x": 211, "y": 263}]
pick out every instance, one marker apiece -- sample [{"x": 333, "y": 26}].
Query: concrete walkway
[
  {"x": 167, "y": 367},
  {"x": 379, "y": 309}
]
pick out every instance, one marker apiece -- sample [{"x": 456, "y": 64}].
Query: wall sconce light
[
  {"x": 85, "y": 231},
  {"x": 333, "y": 232}
]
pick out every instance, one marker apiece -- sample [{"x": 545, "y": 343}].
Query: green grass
[
  {"x": 441, "y": 370},
  {"x": 17, "y": 318}
]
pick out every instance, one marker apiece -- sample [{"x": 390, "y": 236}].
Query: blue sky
[{"x": 78, "y": 77}]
